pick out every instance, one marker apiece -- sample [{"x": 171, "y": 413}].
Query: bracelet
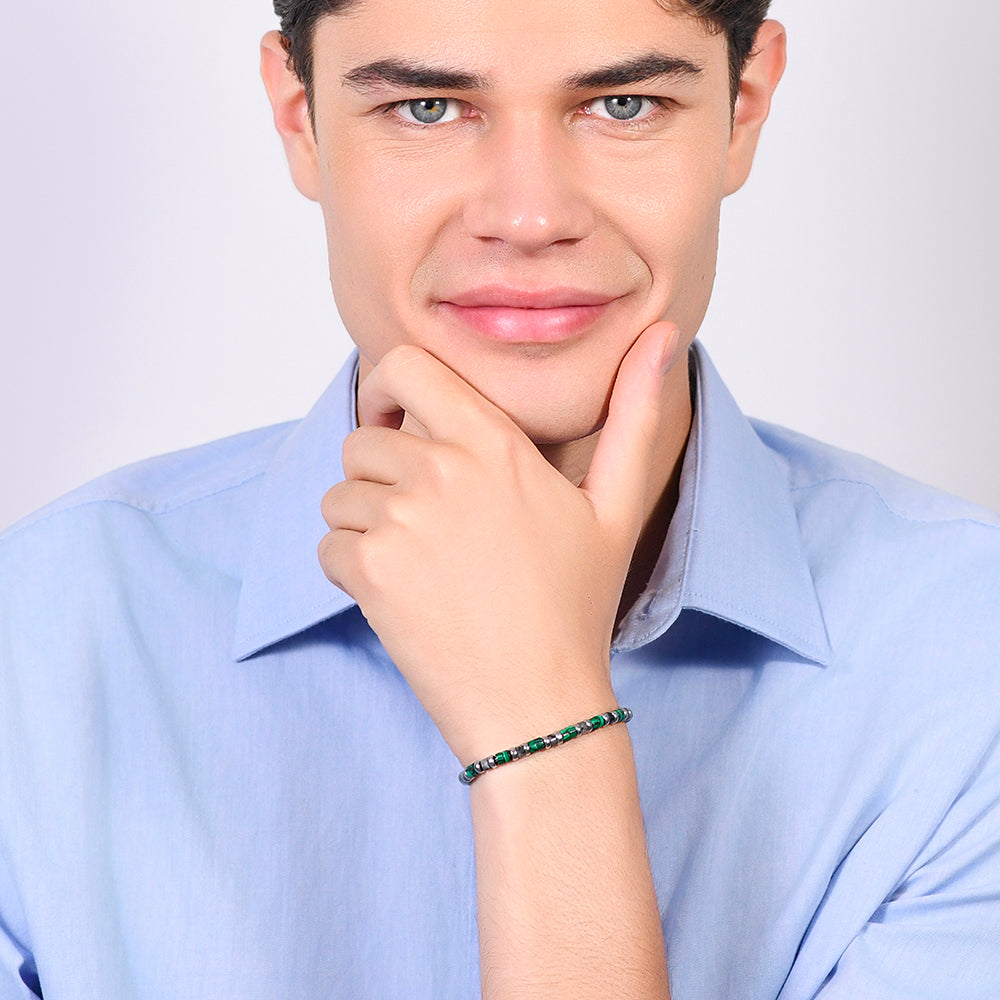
[{"x": 474, "y": 770}]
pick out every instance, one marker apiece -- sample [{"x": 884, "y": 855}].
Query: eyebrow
[
  {"x": 652, "y": 66},
  {"x": 418, "y": 76},
  {"x": 421, "y": 76}
]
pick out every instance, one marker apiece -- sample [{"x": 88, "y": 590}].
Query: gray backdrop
[{"x": 163, "y": 284}]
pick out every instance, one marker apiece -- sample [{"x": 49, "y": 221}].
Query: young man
[{"x": 229, "y": 768}]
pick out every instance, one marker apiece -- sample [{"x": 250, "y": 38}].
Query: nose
[{"x": 526, "y": 195}]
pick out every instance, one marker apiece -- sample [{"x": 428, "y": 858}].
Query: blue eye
[
  {"x": 621, "y": 107},
  {"x": 429, "y": 110}
]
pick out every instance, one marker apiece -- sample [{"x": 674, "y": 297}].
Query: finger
[
  {"x": 619, "y": 472},
  {"x": 338, "y": 554},
  {"x": 355, "y": 506},
  {"x": 410, "y": 380},
  {"x": 383, "y": 455}
]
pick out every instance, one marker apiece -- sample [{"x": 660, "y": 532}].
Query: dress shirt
[{"x": 215, "y": 784}]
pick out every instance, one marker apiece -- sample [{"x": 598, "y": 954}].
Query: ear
[
  {"x": 753, "y": 103},
  {"x": 291, "y": 114}
]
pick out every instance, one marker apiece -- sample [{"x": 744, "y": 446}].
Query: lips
[{"x": 527, "y": 316}]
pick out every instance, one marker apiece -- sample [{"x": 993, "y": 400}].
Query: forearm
[
  {"x": 566, "y": 900},
  {"x": 493, "y": 582}
]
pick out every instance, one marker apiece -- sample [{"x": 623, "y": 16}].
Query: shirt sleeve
[{"x": 938, "y": 934}]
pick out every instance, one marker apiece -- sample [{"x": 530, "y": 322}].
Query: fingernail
[{"x": 668, "y": 353}]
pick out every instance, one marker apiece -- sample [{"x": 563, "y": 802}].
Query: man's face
[{"x": 521, "y": 188}]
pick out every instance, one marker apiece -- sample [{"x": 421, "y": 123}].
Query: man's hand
[{"x": 491, "y": 580}]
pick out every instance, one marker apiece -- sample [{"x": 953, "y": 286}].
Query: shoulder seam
[
  {"x": 167, "y": 508},
  {"x": 892, "y": 510}
]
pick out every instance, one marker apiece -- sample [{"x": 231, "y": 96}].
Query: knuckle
[
  {"x": 328, "y": 560},
  {"x": 399, "y": 511},
  {"x": 353, "y": 562},
  {"x": 354, "y": 447},
  {"x": 368, "y": 563},
  {"x": 449, "y": 469},
  {"x": 439, "y": 467},
  {"x": 331, "y": 501},
  {"x": 501, "y": 448}
]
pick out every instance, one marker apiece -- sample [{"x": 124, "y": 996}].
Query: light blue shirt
[{"x": 214, "y": 783}]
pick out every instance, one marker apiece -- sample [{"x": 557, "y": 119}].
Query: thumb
[{"x": 619, "y": 472}]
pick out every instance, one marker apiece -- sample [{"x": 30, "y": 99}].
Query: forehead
[{"x": 505, "y": 41}]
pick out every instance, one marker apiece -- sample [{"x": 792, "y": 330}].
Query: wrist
[
  {"x": 600, "y": 768},
  {"x": 529, "y": 718},
  {"x": 539, "y": 744}
]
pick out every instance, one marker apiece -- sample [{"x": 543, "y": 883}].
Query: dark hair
[{"x": 739, "y": 20}]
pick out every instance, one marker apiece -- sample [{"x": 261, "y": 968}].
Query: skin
[{"x": 507, "y": 493}]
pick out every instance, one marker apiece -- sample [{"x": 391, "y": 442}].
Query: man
[{"x": 229, "y": 768}]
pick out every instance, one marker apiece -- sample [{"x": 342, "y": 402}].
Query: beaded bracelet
[{"x": 474, "y": 770}]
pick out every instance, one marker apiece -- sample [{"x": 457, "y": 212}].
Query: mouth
[{"x": 527, "y": 316}]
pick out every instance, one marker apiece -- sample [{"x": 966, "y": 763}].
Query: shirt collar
[
  {"x": 284, "y": 590},
  {"x": 733, "y": 549}
]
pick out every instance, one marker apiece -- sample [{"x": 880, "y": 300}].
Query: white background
[{"x": 163, "y": 284}]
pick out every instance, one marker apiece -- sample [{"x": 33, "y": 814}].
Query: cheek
[
  {"x": 672, "y": 222},
  {"x": 388, "y": 196},
  {"x": 686, "y": 264},
  {"x": 674, "y": 208},
  {"x": 381, "y": 222}
]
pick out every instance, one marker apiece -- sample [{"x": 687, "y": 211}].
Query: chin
[
  {"x": 551, "y": 401},
  {"x": 553, "y": 420}
]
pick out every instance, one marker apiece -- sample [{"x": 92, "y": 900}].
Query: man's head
[{"x": 521, "y": 186}]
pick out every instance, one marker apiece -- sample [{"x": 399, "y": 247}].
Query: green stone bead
[
  {"x": 569, "y": 733},
  {"x": 535, "y": 745}
]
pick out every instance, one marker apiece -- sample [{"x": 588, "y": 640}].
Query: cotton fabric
[{"x": 214, "y": 783}]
